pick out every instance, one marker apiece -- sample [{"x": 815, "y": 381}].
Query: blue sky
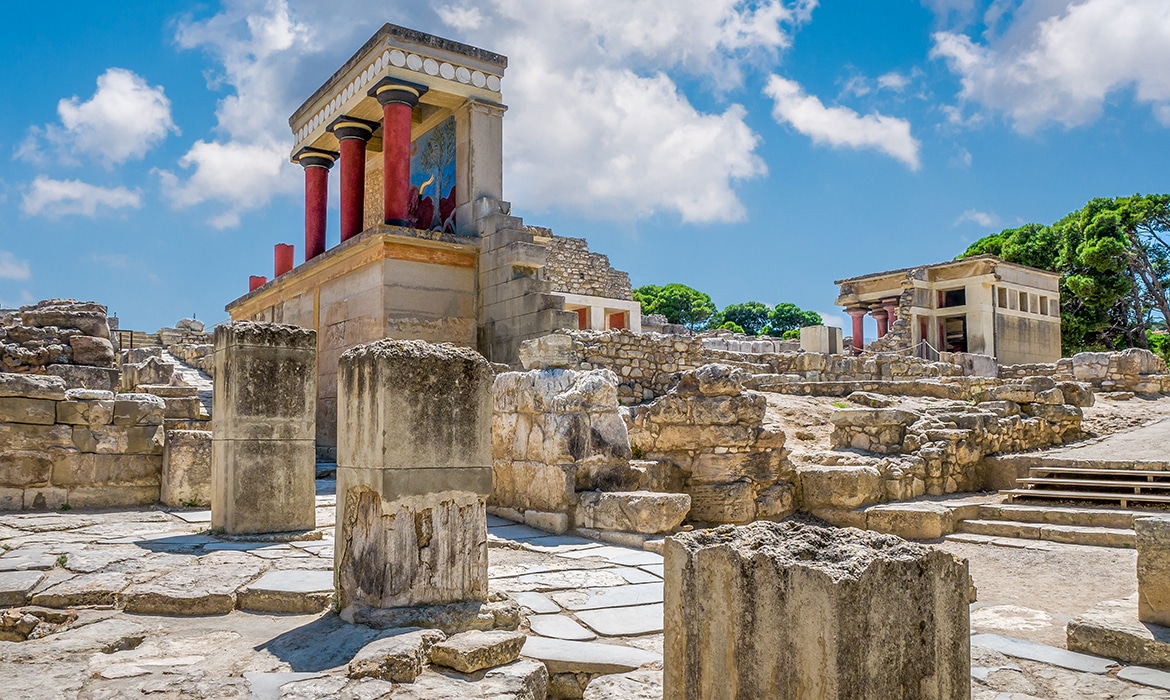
[{"x": 754, "y": 150}]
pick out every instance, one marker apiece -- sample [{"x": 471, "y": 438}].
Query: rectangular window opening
[{"x": 953, "y": 297}]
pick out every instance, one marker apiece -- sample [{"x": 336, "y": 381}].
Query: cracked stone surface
[{"x": 595, "y": 610}]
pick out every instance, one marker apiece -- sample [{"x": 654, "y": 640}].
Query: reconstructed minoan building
[
  {"x": 429, "y": 249},
  {"x": 978, "y": 305}
]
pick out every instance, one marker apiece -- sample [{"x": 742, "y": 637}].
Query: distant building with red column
[{"x": 428, "y": 248}]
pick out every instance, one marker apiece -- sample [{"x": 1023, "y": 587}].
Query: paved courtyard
[{"x": 134, "y": 578}]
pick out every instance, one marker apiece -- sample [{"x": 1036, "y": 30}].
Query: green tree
[
  {"x": 790, "y": 317},
  {"x": 678, "y": 303},
  {"x": 729, "y": 326},
  {"x": 751, "y": 316},
  {"x": 1115, "y": 265}
]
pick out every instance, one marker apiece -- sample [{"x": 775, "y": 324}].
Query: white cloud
[
  {"x": 123, "y": 120},
  {"x": 12, "y": 267},
  {"x": 596, "y": 122},
  {"x": 461, "y": 18},
  {"x": 841, "y": 126},
  {"x": 57, "y": 198},
  {"x": 981, "y": 218},
  {"x": 893, "y": 81},
  {"x": 1060, "y": 62}
]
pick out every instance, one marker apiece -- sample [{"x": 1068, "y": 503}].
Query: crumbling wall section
[
  {"x": 61, "y": 337},
  {"x": 939, "y": 449},
  {"x": 1134, "y": 369},
  {"x": 571, "y": 268},
  {"x": 82, "y": 448},
  {"x": 715, "y": 434}
]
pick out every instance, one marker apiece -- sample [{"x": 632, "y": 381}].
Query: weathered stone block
[
  {"x": 32, "y": 386},
  {"x": 86, "y": 411},
  {"x": 15, "y": 409},
  {"x": 786, "y": 610},
  {"x": 82, "y": 377},
  {"x": 263, "y": 428},
  {"x": 1153, "y": 569},
  {"x": 549, "y": 352},
  {"x": 532, "y": 485},
  {"x": 632, "y": 511},
  {"x": 138, "y": 409},
  {"x": 79, "y": 469},
  {"x": 265, "y": 382},
  {"x": 414, "y": 467},
  {"x": 839, "y": 486},
  {"x": 1077, "y": 393},
  {"x": 263, "y": 485},
  {"x": 91, "y": 351},
  {"x": 398, "y": 658},
  {"x": 21, "y": 468},
  {"x": 114, "y": 439},
  {"x": 186, "y": 468},
  {"x": 475, "y": 650}
]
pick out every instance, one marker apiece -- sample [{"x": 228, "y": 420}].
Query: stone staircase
[
  {"x": 1098, "y": 481},
  {"x": 1099, "y": 527}
]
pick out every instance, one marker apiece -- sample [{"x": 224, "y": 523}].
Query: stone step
[
  {"x": 1057, "y": 515},
  {"x": 1065, "y": 534},
  {"x": 643, "y": 512},
  {"x": 1069, "y": 495}
]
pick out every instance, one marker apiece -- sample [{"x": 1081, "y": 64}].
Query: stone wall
[
  {"x": 719, "y": 445},
  {"x": 61, "y": 337},
  {"x": 898, "y": 453},
  {"x": 1136, "y": 370},
  {"x": 556, "y": 432},
  {"x": 572, "y": 269},
  {"x": 648, "y": 364},
  {"x": 78, "y": 447}
]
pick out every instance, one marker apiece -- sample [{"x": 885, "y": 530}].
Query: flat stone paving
[{"x": 590, "y": 608}]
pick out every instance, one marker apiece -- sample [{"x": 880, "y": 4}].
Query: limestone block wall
[
  {"x": 573, "y": 269},
  {"x": 725, "y": 452},
  {"x": 1134, "y": 369},
  {"x": 555, "y": 433},
  {"x": 61, "y": 337},
  {"x": 515, "y": 303},
  {"x": 648, "y": 364},
  {"x": 79, "y": 447}
]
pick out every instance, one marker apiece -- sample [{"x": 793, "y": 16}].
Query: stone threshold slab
[{"x": 1033, "y": 651}]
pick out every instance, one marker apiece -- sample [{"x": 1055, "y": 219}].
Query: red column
[
  {"x": 282, "y": 256},
  {"x": 256, "y": 282},
  {"x": 858, "y": 329},
  {"x": 883, "y": 321},
  {"x": 353, "y": 134},
  {"x": 316, "y": 164},
  {"x": 398, "y": 100},
  {"x": 891, "y": 308}
]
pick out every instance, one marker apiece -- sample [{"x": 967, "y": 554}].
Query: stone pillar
[
  {"x": 882, "y": 318},
  {"x": 1153, "y": 569},
  {"x": 256, "y": 282},
  {"x": 479, "y": 161},
  {"x": 398, "y": 99},
  {"x": 858, "y": 329},
  {"x": 414, "y": 452},
  {"x": 788, "y": 610},
  {"x": 282, "y": 255},
  {"x": 263, "y": 423},
  {"x": 352, "y": 133},
  {"x": 316, "y": 164}
]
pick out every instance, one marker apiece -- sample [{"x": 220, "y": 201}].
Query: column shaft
[
  {"x": 858, "y": 329},
  {"x": 352, "y": 133},
  {"x": 398, "y": 100}
]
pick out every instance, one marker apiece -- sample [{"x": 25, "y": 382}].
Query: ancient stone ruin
[{"x": 449, "y": 458}]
